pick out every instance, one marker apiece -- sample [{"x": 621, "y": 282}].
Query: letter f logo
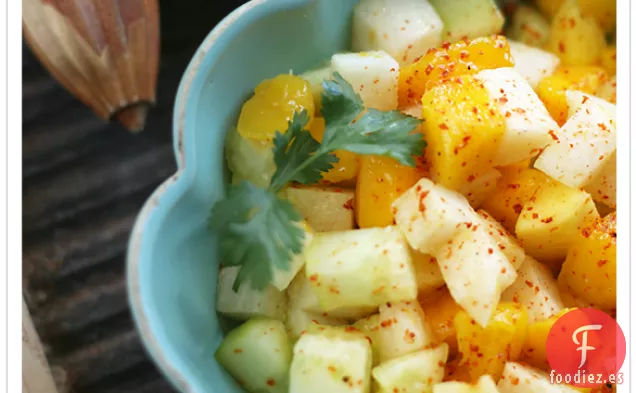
[{"x": 583, "y": 343}]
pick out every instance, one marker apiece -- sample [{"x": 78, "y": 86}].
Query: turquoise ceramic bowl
[{"x": 172, "y": 257}]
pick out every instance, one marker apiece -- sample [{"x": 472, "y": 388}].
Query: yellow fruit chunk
[
  {"x": 273, "y": 105},
  {"x": 589, "y": 269},
  {"x": 461, "y": 58},
  {"x": 551, "y": 89},
  {"x": 462, "y": 127},
  {"x": 486, "y": 350},
  {"x": 604, "y": 11},
  {"x": 576, "y": 38},
  {"x": 440, "y": 310},
  {"x": 533, "y": 350},
  {"x": 381, "y": 180},
  {"x": 608, "y": 59},
  {"x": 514, "y": 189},
  {"x": 348, "y": 163}
]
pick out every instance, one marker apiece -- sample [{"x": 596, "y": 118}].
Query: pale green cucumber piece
[
  {"x": 468, "y": 19},
  {"x": 249, "y": 159}
]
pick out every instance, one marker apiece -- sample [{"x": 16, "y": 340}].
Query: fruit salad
[{"x": 414, "y": 215}]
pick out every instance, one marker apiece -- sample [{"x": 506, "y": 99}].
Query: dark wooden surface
[{"x": 83, "y": 184}]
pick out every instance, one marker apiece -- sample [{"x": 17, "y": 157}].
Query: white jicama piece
[
  {"x": 282, "y": 278},
  {"x": 476, "y": 271},
  {"x": 247, "y": 302},
  {"x": 405, "y": 29},
  {"x": 413, "y": 373},
  {"x": 258, "y": 354},
  {"x": 584, "y": 145},
  {"x": 326, "y": 209},
  {"x": 484, "y": 384},
  {"x": 506, "y": 242},
  {"x": 328, "y": 359},
  {"x": 517, "y": 378},
  {"x": 360, "y": 268},
  {"x": 428, "y": 276},
  {"x": 529, "y": 125},
  {"x": 603, "y": 186},
  {"x": 536, "y": 289},
  {"x": 532, "y": 63},
  {"x": 429, "y": 215},
  {"x": 373, "y": 75},
  {"x": 477, "y": 190}
]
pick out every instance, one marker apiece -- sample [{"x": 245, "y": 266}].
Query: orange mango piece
[{"x": 533, "y": 350}]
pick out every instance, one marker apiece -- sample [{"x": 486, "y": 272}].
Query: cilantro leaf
[
  {"x": 340, "y": 103},
  {"x": 258, "y": 231}
]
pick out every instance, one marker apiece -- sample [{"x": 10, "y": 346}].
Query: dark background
[{"x": 83, "y": 183}]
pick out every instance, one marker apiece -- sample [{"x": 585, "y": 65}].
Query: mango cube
[
  {"x": 440, "y": 310},
  {"x": 534, "y": 350}
]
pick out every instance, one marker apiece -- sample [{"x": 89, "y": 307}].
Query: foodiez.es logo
[{"x": 586, "y": 348}]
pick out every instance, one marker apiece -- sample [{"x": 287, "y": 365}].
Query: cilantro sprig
[{"x": 258, "y": 230}]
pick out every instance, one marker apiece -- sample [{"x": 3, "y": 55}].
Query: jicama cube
[
  {"x": 535, "y": 289},
  {"x": 603, "y": 186},
  {"x": 529, "y": 27},
  {"x": 282, "y": 278},
  {"x": 577, "y": 99},
  {"x": 576, "y": 38},
  {"x": 528, "y": 125},
  {"x": 316, "y": 78},
  {"x": 463, "y": 130},
  {"x": 427, "y": 274},
  {"x": 380, "y": 182},
  {"x": 515, "y": 187},
  {"x": 583, "y": 147},
  {"x": 247, "y": 302},
  {"x": 360, "y": 268},
  {"x": 507, "y": 243},
  {"x": 550, "y": 221},
  {"x": 484, "y": 384},
  {"x": 590, "y": 266},
  {"x": 249, "y": 159},
  {"x": 534, "y": 348},
  {"x": 373, "y": 75},
  {"x": 413, "y": 373},
  {"x": 467, "y": 19},
  {"x": 532, "y": 63},
  {"x": 517, "y": 378},
  {"x": 607, "y": 90},
  {"x": 476, "y": 271},
  {"x": 405, "y": 29},
  {"x": 429, "y": 215},
  {"x": 325, "y": 209},
  {"x": 348, "y": 163},
  {"x": 449, "y": 61},
  {"x": 486, "y": 349},
  {"x": 257, "y": 354},
  {"x": 329, "y": 359},
  {"x": 440, "y": 310},
  {"x": 477, "y": 190}
]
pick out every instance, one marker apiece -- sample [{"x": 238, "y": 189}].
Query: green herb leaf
[{"x": 258, "y": 231}]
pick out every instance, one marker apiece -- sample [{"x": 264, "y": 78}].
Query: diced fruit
[
  {"x": 486, "y": 349},
  {"x": 536, "y": 290},
  {"x": 249, "y": 159},
  {"x": 247, "y": 302},
  {"x": 604, "y": 11},
  {"x": 568, "y": 297},
  {"x": 361, "y": 268},
  {"x": 577, "y": 39},
  {"x": 428, "y": 276},
  {"x": 299, "y": 321},
  {"x": 507, "y": 243},
  {"x": 583, "y": 146},
  {"x": 369, "y": 326},
  {"x": 527, "y": 121},
  {"x": 325, "y": 209},
  {"x": 475, "y": 270},
  {"x": 413, "y": 373},
  {"x": 316, "y": 78},
  {"x": 552, "y": 89},
  {"x": 329, "y": 359},
  {"x": 405, "y": 29},
  {"x": 533, "y": 64},
  {"x": 348, "y": 163},
  {"x": 515, "y": 187},
  {"x": 449, "y": 61},
  {"x": 257, "y": 354},
  {"x": 467, "y": 19},
  {"x": 273, "y": 106},
  {"x": 603, "y": 186},
  {"x": 373, "y": 75},
  {"x": 380, "y": 182},
  {"x": 551, "y": 219},
  {"x": 440, "y": 312},
  {"x": 517, "y": 378},
  {"x": 577, "y": 99},
  {"x": 608, "y": 59},
  {"x": 282, "y": 278},
  {"x": 607, "y": 90},
  {"x": 477, "y": 190},
  {"x": 534, "y": 348},
  {"x": 529, "y": 27},
  {"x": 484, "y": 384},
  {"x": 462, "y": 127},
  {"x": 429, "y": 215},
  {"x": 590, "y": 266}
]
